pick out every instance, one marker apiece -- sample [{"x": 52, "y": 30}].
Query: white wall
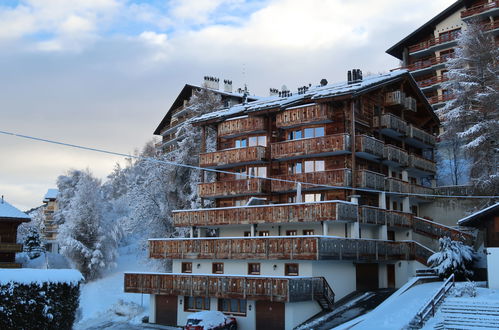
[
  {"x": 405, "y": 270},
  {"x": 493, "y": 267},
  {"x": 298, "y": 312},
  {"x": 339, "y": 274}
]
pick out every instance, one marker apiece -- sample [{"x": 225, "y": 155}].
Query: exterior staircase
[
  {"x": 469, "y": 314},
  {"x": 325, "y": 296}
]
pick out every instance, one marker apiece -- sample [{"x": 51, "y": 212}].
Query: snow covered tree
[
  {"x": 453, "y": 257},
  {"x": 473, "y": 115},
  {"x": 33, "y": 244},
  {"x": 37, "y": 224}
]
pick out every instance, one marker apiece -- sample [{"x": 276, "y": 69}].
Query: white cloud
[{"x": 198, "y": 11}]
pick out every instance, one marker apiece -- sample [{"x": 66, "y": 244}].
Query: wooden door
[
  {"x": 367, "y": 276},
  {"x": 269, "y": 315},
  {"x": 166, "y": 310},
  {"x": 390, "y": 270}
]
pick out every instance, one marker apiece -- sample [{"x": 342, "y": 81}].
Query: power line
[{"x": 161, "y": 161}]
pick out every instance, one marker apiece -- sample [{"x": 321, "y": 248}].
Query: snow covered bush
[
  {"x": 453, "y": 257},
  {"x": 38, "y": 299},
  {"x": 33, "y": 244},
  {"x": 464, "y": 289}
]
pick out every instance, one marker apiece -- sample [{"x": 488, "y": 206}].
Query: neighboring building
[
  {"x": 425, "y": 51},
  {"x": 179, "y": 110},
  {"x": 487, "y": 223},
  {"x": 274, "y": 266},
  {"x": 50, "y": 226},
  {"x": 10, "y": 219}
]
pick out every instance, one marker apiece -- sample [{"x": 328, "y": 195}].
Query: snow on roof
[
  {"x": 51, "y": 194},
  {"x": 40, "y": 276},
  {"x": 473, "y": 216},
  {"x": 314, "y": 93},
  {"x": 9, "y": 211}
]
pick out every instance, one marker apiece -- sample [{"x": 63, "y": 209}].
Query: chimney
[
  {"x": 273, "y": 91},
  {"x": 227, "y": 86},
  {"x": 354, "y": 76},
  {"x": 211, "y": 82}
]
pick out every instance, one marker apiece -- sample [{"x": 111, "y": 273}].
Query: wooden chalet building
[
  {"x": 283, "y": 251},
  {"x": 51, "y": 228},
  {"x": 179, "y": 111},
  {"x": 425, "y": 51},
  {"x": 10, "y": 219}
]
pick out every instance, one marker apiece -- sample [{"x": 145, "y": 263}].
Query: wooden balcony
[
  {"x": 234, "y": 188},
  {"x": 377, "y": 216},
  {"x": 436, "y": 230},
  {"x": 433, "y": 42},
  {"x": 418, "y": 189},
  {"x": 440, "y": 99},
  {"x": 341, "y": 177},
  {"x": 310, "y": 114},
  {"x": 241, "y": 126},
  {"x": 369, "y": 179},
  {"x": 10, "y": 247},
  {"x": 395, "y": 156},
  {"x": 431, "y": 62},
  {"x": 278, "y": 289},
  {"x": 277, "y": 213},
  {"x": 280, "y": 248},
  {"x": 420, "y": 138},
  {"x": 391, "y": 125},
  {"x": 394, "y": 185},
  {"x": 321, "y": 146},
  {"x": 436, "y": 80},
  {"x": 10, "y": 265},
  {"x": 478, "y": 9},
  {"x": 233, "y": 157},
  {"x": 369, "y": 146},
  {"x": 422, "y": 164}
]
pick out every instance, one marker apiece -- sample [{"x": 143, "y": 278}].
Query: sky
[{"x": 102, "y": 73}]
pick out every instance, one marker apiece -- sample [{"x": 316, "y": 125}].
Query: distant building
[
  {"x": 179, "y": 110},
  {"x": 50, "y": 227},
  {"x": 10, "y": 219},
  {"x": 425, "y": 51}
]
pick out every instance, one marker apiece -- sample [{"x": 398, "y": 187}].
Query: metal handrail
[{"x": 433, "y": 302}]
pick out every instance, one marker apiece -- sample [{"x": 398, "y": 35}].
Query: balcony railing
[
  {"x": 440, "y": 99},
  {"x": 432, "y": 81},
  {"x": 428, "y": 63},
  {"x": 392, "y": 122},
  {"x": 277, "y": 213},
  {"x": 436, "y": 230},
  {"x": 418, "y": 189},
  {"x": 370, "y": 145},
  {"x": 280, "y": 248},
  {"x": 395, "y": 154},
  {"x": 433, "y": 42},
  {"x": 491, "y": 26},
  {"x": 316, "y": 113},
  {"x": 11, "y": 247},
  {"x": 279, "y": 289},
  {"x": 330, "y": 144},
  {"x": 235, "y": 127},
  {"x": 10, "y": 265},
  {"x": 421, "y": 135},
  {"x": 233, "y": 156},
  {"x": 233, "y": 188},
  {"x": 341, "y": 177},
  {"x": 479, "y": 9},
  {"x": 397, "y": 186},
  {"x": 369, "y": 179},
  {"x": 420, "y": 163}
]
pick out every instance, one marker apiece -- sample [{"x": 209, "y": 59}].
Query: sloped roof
[
  {"x": 51, "y": 194},
  {"x": 11, "y": 212},
  {"x": 476, "y": 218}
]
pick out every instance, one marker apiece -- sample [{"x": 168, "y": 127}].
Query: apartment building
[
  {"x": 179, "y": 111},
  {"x": 10, "y": 219},
  {"x": 425, "y": 51},
  {"x": 347, "y": 162},
  {"x": 50, "y": 226}
]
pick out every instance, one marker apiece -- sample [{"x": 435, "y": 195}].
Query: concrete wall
[
  {"x": 493, "y": 267},
  {"x": 405, "y": 270},
  {"x": 450, "y": 23},
  {"x": 298, "y": 312},
  {"x": 339, "y": 274},
  {"x": 446, "y": 211}
]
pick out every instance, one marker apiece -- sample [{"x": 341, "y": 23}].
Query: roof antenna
[
  {"x": 2, "y": 199},
  {"x": 245, "y": 93}
]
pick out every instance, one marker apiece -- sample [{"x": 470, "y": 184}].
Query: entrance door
[
  {"x": 390, "y": 273},
  {"x": 269, "y": 315},
  {"x": 166, "y": 310},
  {"x": 367, "y": 276}
]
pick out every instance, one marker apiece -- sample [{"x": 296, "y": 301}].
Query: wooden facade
[
  {"x": 241, "y": 126},
  {"x": 219, "y": 159},
  {"x": 326, "y": 145},
  {"x": 234, "y": 188},
  {"x": 309, "y": 114},
  {"x": 340, "y": 177}
]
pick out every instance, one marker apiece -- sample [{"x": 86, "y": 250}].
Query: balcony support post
[
  {"x": 152, "y": 308},
  {"x": 191, "y": 231},
  {"x": 325, "y": 228},
  {"x": 405, "y": 176},
  {"x": 382, "y": 200},
  {"x": 406, "y": 206},
  {"x": 253, "y": 230}
]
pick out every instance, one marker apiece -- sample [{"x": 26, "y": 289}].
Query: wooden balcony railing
[
  {"x": 281, "y": 248},
  {"x": 369, "y": 179},
  {"x": 233, "y": 188},
  {"x": 432, "y": 81},
  {"x": 235, "y": 127},
  {"x": 309, "y": 147},
  {"x": 10, "y": 265},
  {"x": 427, "y": 63},
  {"x": 396, "y": 154},
  {"x": 422, "y": 163},
  {"x": 233, "y": 156},
  {"x": 433, "y": 42},
  {"x": 440, "y": 99},
  {"x": 479, "y": 9},
  {"x": 436, "y": 230},
  {"x": 340, "y": 177},
  {"x": 279, "y": 289},
  {"x": 397, "y": 186},
  {"x": 315, "y": 113},
  {"x": 491, "y": 26},
  {"x": 392, "y": 122},
  {"x": 370, "y": 145},
  {"x": 421, "y": 135},
  {"x": 11, "y": 247},
  {"x": 277, "y": 213},
  {"x": 418, "y": 189}
]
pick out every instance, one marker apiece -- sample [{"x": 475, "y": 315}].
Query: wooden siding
[
  {"x": 233, "y": 188},
  {"x": 278, "y": 213},
  {"x": 233, "y": 156},
  {"x": 341, "y": 177},
  {"x": 392, "y": 122},
  {"x": 422, "y": 163},
  {"x": 369, "y": 179},
  {"x": 235, "y": 127},
  {"x": 396, "y": 154},
  {"x": 369, "y": 144},
  {"x": 10, "y": 247},
  {"x": 309, "y": 147},
  {"x": 397, "y": 186},
  {"x": 421, "y": 135},
  {"x": 316, "y": 113}
]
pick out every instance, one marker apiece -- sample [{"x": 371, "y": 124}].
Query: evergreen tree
[
  {"x": 453, "y": 257},
  {"x": 33, "y": 244}
]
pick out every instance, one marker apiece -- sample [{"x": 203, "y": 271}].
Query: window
[
  {"x": 240, "y": 174},
  {"x": 390, "y": 235},
  {"x": 295, "y": 135},
  {"x": 295, "y": 168},
  {"x": 449, "y": 35},
  {"x": 309, "y": 132},
  {"x": 314, "y": 166},
  {"x": 241, "y": 143},
  {"x": 292, "y": 199},
  {"x": 247, "y": 234},
  {"x": 260, "y": 171},
  {"x": 257, "y": 141},
  {"x": 314, "y": 198},
  {"x": 291, "y": 233},
  {"x": 217, "y": 268},
  {"x": 308, "y": 232},
  {"x": 240, "y": 202},
  {"x": 232, "y": 306},
  {"x": 263, "y": 233},
  {"x": 291, "y": 270},
  {"x": 196, "y": 303},
  {"x": 254, "y": 269},
  {"x": 187, "y": 267}
]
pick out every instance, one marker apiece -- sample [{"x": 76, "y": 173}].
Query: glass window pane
[
  {"x": 262, "y": 171},
  {"x": 309, "y": 133},
  {"x": 238, "y": 144},
  {"x": 319, "y": 131},
  {"x": 206, "y": 303},
  {"x": 225, "y": 304},
  {"x": 319, "y": 165},
  {"x": 309, "y": 198},
  {"x": 298, "y": 135},
  {"x": 234, "y": 305},
  {"x": 262, "y": 141},
  {"x": 190, "y": 302},
  {"x": 242, "y": 306},
  {"x": 309, "y": 166},
  {"x": 199, "y": 303},
  {"x": 253, "y": 141}
]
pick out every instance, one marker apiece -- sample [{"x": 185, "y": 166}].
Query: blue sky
[{"x": 103, "y": 72}]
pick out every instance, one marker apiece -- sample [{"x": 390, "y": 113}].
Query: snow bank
[{"x": 28, "y": 276}]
